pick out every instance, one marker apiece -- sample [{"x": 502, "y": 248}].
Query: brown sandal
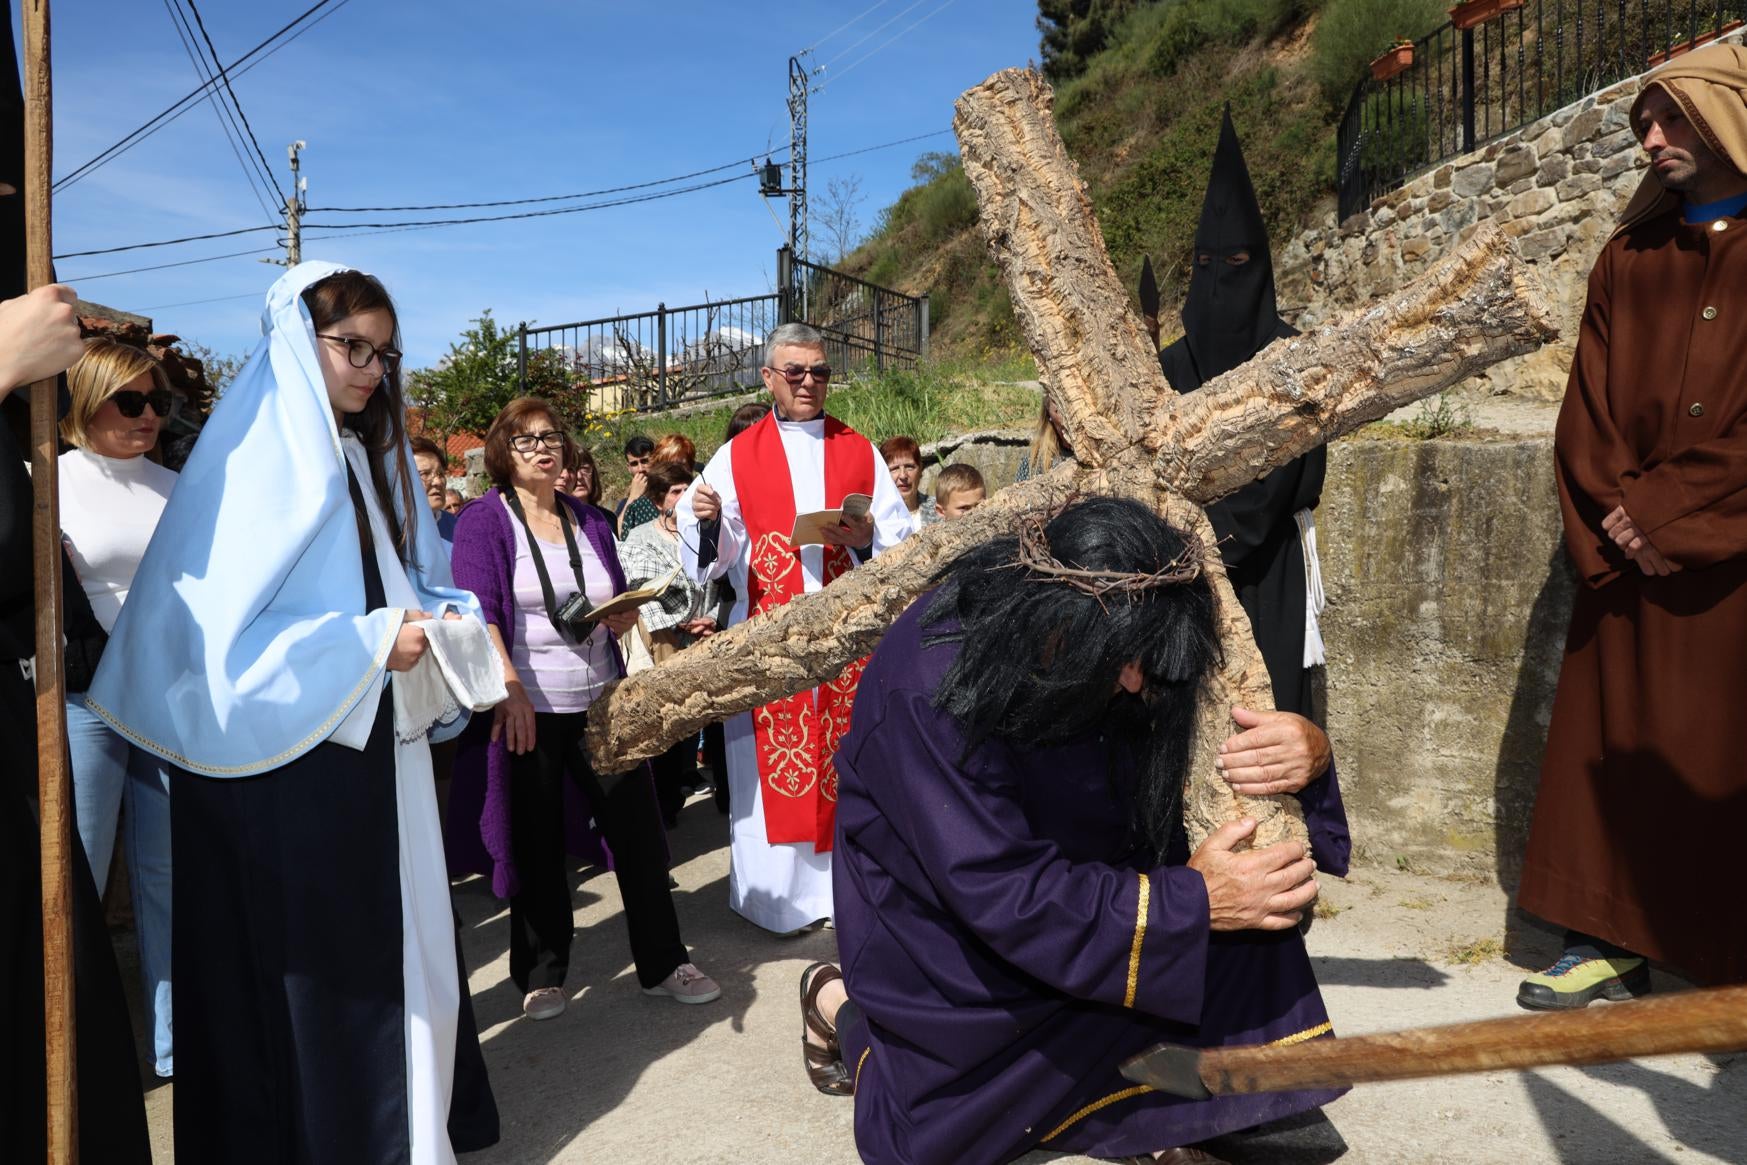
[{"x": 825, "y": 1067}]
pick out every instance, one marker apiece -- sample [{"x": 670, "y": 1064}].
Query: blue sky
[{"x": 444, "y": 101}]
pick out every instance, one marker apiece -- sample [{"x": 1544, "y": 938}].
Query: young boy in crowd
[{"x": 958, "y": 490}]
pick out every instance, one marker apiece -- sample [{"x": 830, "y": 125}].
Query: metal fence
[
  {"x": 674, "y": 355},
  {"x": 655, "y": 359},
  {"x": 1467, "y": 86},
  {"x": 867, "y": 327}
]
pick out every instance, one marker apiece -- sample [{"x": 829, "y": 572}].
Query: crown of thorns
[{"x": 1034, "y": 555}]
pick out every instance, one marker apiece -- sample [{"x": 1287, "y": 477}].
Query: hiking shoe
[
  {"x": 544, "y": 1003},
  {"x": 1581, "y": 976},
  {"x": 688, "y": 985}
]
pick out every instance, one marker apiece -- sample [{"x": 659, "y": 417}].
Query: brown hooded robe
[{"x": 1642, "y": 810}]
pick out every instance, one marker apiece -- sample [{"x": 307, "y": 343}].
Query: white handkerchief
[{"x": 461, "y": 670}]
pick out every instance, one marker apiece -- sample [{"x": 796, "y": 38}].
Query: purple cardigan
[{"x": 477, "y": 835}]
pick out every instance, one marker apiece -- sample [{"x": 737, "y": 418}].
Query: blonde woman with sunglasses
[{"x": 112, "y": 495}]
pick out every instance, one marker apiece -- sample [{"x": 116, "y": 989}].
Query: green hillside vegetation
[{"x": 1140, "y": 88}]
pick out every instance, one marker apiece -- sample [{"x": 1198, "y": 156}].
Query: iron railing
[
  {"x": 1469, "y": 86},
  {"x": 654, "y": 360},
  {"x": 657, "y": 359},
  {"x": 867, "y": 327}
]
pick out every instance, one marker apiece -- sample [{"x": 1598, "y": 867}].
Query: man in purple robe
[{"x": 1018, "y": 911}]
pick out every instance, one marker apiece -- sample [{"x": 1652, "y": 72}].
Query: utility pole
[
  {"x": 799, "y": 83},
  {"x": 295, "y": 206}
]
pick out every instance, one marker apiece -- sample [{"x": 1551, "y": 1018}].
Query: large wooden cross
[{"x": 1131, "y": 435}]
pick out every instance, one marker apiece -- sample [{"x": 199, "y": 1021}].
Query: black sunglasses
[
  {"x": 130, "y": 403},
  {"x": 797, "y": 374}
]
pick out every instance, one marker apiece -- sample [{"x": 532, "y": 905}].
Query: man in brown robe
[{"x": 1642, "y": 809}]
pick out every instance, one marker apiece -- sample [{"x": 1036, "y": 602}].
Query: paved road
[{"x": 625, "y": 1079}]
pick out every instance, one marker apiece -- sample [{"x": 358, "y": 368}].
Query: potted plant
[
  {"x": 1471, "y": 13},
  {"x": 1397, "y": 59},
  {"x": 1703, "y": 38}
]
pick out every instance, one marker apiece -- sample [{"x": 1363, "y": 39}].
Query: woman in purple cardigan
[{"x": 516, "y": 549}]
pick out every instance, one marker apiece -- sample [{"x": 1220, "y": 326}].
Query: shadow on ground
[{"x": 554, "y": 1079}]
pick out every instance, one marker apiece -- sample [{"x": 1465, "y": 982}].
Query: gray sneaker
[
  {"x": 687, "y": 984},
  {"x": 545, "y": 1003}
]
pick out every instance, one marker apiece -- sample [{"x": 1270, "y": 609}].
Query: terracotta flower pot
[
  {"x": 1476, "y": 12},
  {"x": 1688, "y": 46},
  {"x": 1392, "y": 63}
]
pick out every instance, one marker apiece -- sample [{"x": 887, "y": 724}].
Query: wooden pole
[
  {"x": 1691, "y": 1021},
  {"x": 55, "y": 805}
]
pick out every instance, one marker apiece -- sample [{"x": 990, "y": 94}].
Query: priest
[
  {"x": 1265, "y": 529},
  {"x": 1018, "y": 908},
  {"x": 735, "y": 521}
]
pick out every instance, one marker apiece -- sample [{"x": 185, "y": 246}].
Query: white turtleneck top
[{"x": 109, "y": 508}]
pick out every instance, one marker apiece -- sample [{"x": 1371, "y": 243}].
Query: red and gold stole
[{"x": 796, "y": 738}]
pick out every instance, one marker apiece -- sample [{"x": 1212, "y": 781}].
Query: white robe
[
  {"x": 433, "y": 989},
  {"x": 781, "y": 887}
]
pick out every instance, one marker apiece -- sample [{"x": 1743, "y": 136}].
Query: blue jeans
[{"x": 109, "y": 773}]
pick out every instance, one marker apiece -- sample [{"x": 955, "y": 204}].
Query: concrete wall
[{"x": 1448, "y": 599}]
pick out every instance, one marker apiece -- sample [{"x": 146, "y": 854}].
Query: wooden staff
[
  {"x": 1692, "y": 1021},
  {"x": 55, "y": 807}
]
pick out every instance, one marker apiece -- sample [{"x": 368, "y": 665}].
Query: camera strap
[{"x": 515, "y": 504}]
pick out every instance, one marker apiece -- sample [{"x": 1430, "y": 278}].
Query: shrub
[
  {"x": 1353, "y": 32},
  {"x": 944, "y": 206}
]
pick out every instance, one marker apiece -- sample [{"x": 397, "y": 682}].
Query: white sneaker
[
  {"x": 688, "y": 985},
  {"x": 544, "y": 1003}
]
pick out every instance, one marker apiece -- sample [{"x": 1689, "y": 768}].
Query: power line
[
  {"x": 930, "y": 15},
  {"x": 172, "y": 242},
  {"x": 194, "y": 302},
  {"x": 447, "y": 222},
  {"x": 882, "y": 146},
  {"x": 226, "y": 121},
  {"x": 225, "y": 77},
  {"x": 841, "y": 27},
  {"x": 165, "y": 266},
  {"x": 368, "y": 228},
  {"x": 188, "y": 101},
  {"x": 914, "y": 4},
  {"x": 527, "y": 201}
]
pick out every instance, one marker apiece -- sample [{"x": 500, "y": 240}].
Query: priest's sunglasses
[
  {"x": 130, "y": 403},
  {"x": 528, "y": 442},
  {"x": 797, "y": 373},
  {"x": 360, "y": 352}
]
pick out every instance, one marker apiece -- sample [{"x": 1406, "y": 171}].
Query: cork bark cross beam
[{"x": 1131, "y": 435}]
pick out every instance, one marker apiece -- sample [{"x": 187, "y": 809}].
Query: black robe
[
  {"x": 1229, "y": 315},
  {"x": 112, "y": 1115},
  {"x": 1258, "y": 540}
]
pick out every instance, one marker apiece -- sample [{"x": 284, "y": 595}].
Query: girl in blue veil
[{"x": 321, "y": 1009}]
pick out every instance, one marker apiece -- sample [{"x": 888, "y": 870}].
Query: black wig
[{"x": 1039, "y": 659}]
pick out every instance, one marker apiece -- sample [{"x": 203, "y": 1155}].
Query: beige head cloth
[{"x": 1710, "y": 86}]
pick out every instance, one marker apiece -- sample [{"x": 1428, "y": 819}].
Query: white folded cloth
[
  {"x": 1314, "y": 599},
  {"x": 460, "y": 670}
]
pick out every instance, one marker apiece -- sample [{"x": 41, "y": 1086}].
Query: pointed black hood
[{"x": 1229, "y": 314}]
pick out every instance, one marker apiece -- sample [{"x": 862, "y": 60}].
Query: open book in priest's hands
[
  {"x": 810, "y": 528},
  {"x": 631, "y": 600}
]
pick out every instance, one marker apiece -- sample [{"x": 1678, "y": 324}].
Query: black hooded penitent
[{"x": 1229, "y": 315}]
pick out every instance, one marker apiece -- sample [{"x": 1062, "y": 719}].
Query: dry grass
[{"x": 1473, "y": 954}]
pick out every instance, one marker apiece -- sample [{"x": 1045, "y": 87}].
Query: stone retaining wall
[{"x": 1558, "y": 185}]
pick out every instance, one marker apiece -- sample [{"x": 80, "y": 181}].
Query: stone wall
[{"x": 1558, "y": 185}]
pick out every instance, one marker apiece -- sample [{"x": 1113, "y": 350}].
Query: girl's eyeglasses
[
  {"x": 130, "y": 403},
  {"x": 359, "y": 352}
]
